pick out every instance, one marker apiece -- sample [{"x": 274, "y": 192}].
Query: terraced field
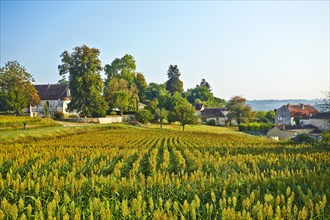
[{"x": 136, "y": 173}]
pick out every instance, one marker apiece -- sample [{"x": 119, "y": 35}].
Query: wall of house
[
  {"x": 286, "y": 134},
  {"x": 54, "y": 106},
  {"x": 283, "y": 116},
  {"x": 322, "y": 124}
]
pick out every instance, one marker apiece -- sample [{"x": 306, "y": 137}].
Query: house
[
  {"x": 320, "y": 120},
  {"x": 285, "y": 132},
  {"x": 287, "y": 113},
  {"x": 216, "y": 114},
  {"x": 56, "y": 96}
]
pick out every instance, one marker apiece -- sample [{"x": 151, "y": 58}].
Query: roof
[
  {"x": 301, "y": 110},
  {"x": 213, "y": 112},
  {"x": 198, "y": 106},
  {"x": 52, "y": 91},
  {"x": 321, "y": 115}
]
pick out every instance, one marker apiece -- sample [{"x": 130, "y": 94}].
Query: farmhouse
[
  {"x": 216, "y": 114},
  {"x": 55, "y": 96},
  {"x": 287, "y": 113},
  {"x": 285, "y": 132}
]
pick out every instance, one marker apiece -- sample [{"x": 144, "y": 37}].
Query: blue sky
[{"x": 260, "y": 50}]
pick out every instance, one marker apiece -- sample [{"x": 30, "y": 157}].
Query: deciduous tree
[
  {"x": 121, "y": 100},
  {"x": 186, "y": 114},
  {"x": 16, "y": 89},
  {"x": 239, "y": 111},
  {"x": 83, "y": 66}
]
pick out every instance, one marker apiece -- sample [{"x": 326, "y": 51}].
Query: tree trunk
[
  {"x": 121, "y": 111},
  {"x": 183, "y": 127}
]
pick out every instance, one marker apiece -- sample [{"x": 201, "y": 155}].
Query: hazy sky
[{"x": 260, "y": 50}]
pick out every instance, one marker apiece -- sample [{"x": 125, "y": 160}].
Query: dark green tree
[
  {"x": 174, "y": 84},
  {"x": 83, "y": 66},
  {"x": 16, "y": 89},
  {"x": 270, "y": 115}
]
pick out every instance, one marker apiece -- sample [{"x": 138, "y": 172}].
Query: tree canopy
[
  {"x": 83, "y": 66},
  {"x": 16, "y": 88}
]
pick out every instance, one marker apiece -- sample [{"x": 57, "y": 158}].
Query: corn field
[{"x": 128, "y": 173}]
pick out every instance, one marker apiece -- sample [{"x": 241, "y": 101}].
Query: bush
[
  {"x": 302, "y": 139},
  {"x": 144, "y": 116},
  {"x": 58, "y": 115},
  {"x": 325, "y": 138},
  {"x": 113, "y": 113},
  {"x": 211, "y": 122},
  {"x": 254, "y": 126}
]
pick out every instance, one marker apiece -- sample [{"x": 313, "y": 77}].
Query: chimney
[{"x": 302, "y": 106}]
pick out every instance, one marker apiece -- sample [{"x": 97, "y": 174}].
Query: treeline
[{"x": 122, "y": 89}]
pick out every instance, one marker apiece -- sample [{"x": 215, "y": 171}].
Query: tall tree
[
  {"x": 239, "y": 111},
  {"x": 174, "y": 84},
  {"x": 83, "y": 66},
  {"x": 124, "y": 69},
  {"x": 141, "y": 85},
  {"x": 16, "y": 89}
]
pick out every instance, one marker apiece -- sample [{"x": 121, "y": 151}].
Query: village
[{"x": 289, "y": 120}]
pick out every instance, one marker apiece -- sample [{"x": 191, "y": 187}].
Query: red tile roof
[{"x": 302, "y": 110}]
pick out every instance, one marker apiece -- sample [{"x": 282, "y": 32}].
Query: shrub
[
  {"x": 113, "y": 113},
  {"x": 211, "y": 122},
  {"x": 302, "y": 139},
  {"x": 326, "y": 138}
]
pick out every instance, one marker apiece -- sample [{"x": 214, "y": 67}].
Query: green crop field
[{"x": 123, "y": 172}]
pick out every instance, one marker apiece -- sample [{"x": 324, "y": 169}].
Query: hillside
[{"x": 126, "y": 172}]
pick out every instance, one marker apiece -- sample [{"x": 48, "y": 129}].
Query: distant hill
[{"x": 267, "y": 105}]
